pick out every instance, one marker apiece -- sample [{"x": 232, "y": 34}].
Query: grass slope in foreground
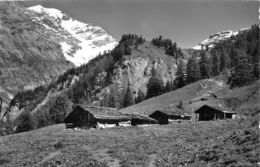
[{"x": 209, "y": 143}]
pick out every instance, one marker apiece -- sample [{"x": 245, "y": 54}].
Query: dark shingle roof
[
  {"x": 112, "y": 113},
  {"x": 104, "y": 112},
  {"x": 220, "y": 108}
]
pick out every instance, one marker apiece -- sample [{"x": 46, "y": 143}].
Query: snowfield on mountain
[{"x": 91, "y": 40}]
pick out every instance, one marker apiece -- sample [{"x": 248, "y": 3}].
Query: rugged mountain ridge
[
  {"x": 39, "y": 44},
  {"x": 216, "y": 38},
  {"x": 81, "y": 42}
]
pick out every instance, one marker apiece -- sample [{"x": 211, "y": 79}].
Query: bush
[{"x": 25, "y": 122}]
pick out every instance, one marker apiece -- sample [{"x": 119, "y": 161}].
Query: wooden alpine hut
[
  {"x": 211, "y": 112},
  {"x": 85, "y": 116}
]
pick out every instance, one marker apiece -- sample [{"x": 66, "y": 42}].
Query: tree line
[{"x": 171, "y": 48}]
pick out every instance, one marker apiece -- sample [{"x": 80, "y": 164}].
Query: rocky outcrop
[{"x": 136, "y": 70}]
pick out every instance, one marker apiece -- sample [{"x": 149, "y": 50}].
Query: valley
[{"x": 74, "y": 95}]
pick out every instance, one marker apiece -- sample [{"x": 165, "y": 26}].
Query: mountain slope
[
  {"x": 27, "y": 51},
  {"x": 81, "y": 42},
  {"x": 242, "y": 100},
  {"x": 39, "y": 44},
  {"x": 172, "y": 99}
]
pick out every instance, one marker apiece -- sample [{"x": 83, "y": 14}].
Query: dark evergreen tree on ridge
[
  {"x": 155, "y": 85},
  {"x": 128, "y": 98},
  {"x": 192, "y": 70},
  {"x": 242, "y": 74},
  {"x": 215, "y": 65},
  {"x": 140, "y": 97},
  {"x": 180, "y": 75},
  {"x": 168, "y": 87},
  {"x": 224, "y": 61},
  {"x": 205, "y": 66}
]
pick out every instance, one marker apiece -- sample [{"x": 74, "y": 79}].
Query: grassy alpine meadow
[{"x": 206, "y": 143}]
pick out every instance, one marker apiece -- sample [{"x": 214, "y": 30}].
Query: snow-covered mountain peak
[
  {"x": 79, "y": 41},
  {"x": 215, "y": 38},
  {"x": 50, "y": 11}
]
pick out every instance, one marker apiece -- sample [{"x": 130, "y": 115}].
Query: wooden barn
[
  {"x": 210, "y": 112},
  {"x": 160, "y": 116},
  {"x": 170, "y": 114},
  {"x": 85, "y": 116}
]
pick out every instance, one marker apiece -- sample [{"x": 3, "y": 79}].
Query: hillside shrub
[
  {"x": 60, "y": 109},
  {"x": 25, "y": 122}
]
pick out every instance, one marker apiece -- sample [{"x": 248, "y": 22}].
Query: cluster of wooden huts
[{"x": 85, "y": 116}]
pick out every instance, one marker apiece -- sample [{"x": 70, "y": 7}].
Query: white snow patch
[
  {"x": 50, "y": 11},
  {"x": 93, "y": 39},
  {"x": 215, "y": 38},
  {"x": 198, "y": 47}
]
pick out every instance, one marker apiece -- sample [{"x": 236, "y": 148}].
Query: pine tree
[
  {"x": 41, "y": 119},
  {"x": 256, "y": 60},
  {"x": 140, "y": 97},
  {"x": 215, "y": 64},
  {"x": 128, "y": 98},
  {"x": 180, "y": 75},
  {"x": 192, "y": 70},
  {"x": 128, "y": 51},
  {"x": 168, "y": 87},
  {"x": 155, "y": 85},
  {"x": 242, "y": 73},
  {"x": 205, "y": 68},
  {"x": 115, "y": 97},
  {"x": 224, "y": 61},
  {"x": 175, "y": 50}
]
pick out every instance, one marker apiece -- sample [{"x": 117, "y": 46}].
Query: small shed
[
  {"x": 210, "y": 112},
  {"x": 85, "y": 116},
  {"x": 160, "y": 116},
  {"x": 142, "y": 120}
]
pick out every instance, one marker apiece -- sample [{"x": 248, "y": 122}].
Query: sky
[{"x": 186, "y": 22}]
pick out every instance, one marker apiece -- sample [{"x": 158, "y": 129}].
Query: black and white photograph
[{"x": 129, "y": 83}]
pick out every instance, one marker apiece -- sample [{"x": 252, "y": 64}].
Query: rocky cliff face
[
  {"x": 136, "y": 69},
  {"x": 39, "y": 44}
]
